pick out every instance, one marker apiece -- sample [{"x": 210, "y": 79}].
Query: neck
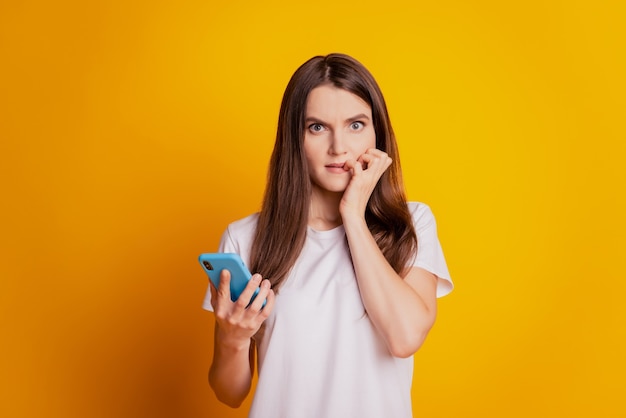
[{"x": 324, "y": 210}]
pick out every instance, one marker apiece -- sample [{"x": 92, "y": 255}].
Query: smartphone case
[{"x": 214, "y": 263}]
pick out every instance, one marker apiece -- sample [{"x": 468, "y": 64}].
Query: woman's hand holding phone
[{"x": 238, "y": 321}]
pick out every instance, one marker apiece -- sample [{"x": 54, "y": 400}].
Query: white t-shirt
[{"x": 319, "y": 354}]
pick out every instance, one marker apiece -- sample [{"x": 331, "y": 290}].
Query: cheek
[
  {"x": 371, "y": 137},
  {"x": 306, "y": 146},
  {"x": 311, "y": 152},
  {"x": 367, "y": 143}
]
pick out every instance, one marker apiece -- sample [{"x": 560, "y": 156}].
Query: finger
[
  {"x": 374, "y": 154},
  {"x": 246, "y": 295},
  {"x": 354, "y": 166},
  {"x": 387, "y": 161},
  {"x": 365, "y": 160},
  {"x": 375, "y": 157},
  {"x": 223, "y": 291},
  {"x": 257, "y": 303},
  {"x": 269, "y": 305},
  {"x": 382, "y": 155},
  {"x": 375, "y": 151}
]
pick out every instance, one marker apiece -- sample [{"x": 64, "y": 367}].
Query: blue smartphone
[{"x": 214, "y": 263}]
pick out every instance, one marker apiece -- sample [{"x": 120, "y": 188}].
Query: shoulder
[
  {"x": 239, "y": 235},
  {"x": 243, "y": 229},
  {"x": 429, "y": 252},
  {"x": 422, "y": 215},
  {"x": 244, "y": 224}
]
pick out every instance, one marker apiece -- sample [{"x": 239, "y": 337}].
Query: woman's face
[{"x": 338, "y": 127}]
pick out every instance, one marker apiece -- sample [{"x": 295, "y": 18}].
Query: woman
[{"x": 349, "y": 269}]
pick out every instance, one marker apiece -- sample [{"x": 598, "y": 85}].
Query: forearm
[
  {"x": 230, "y": 375},
  {"x": 397, "y": 310}
]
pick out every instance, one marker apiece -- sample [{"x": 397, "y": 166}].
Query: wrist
[
  {"x": 353, "y": 220},
  {"x": 232, "y": 343},
  {"x": 350, "y": 212}
]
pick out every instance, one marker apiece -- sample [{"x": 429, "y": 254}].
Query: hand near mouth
[
  {"x": 347, "y": 165},
  {"x": 366, "y": 171}
]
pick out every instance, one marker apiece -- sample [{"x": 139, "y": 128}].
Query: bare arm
[
  {"x": 231, "y": 371},
  {"x": 403, "y": 310}
]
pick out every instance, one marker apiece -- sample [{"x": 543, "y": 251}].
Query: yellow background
[{"x": 132, "y": 133}]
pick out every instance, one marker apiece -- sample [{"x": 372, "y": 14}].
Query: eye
[
  {"x": 316, "y": 127},
  {"x": 355, "y": 126}
]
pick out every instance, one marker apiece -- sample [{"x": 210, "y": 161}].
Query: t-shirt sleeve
[
  {"x": 429, "y": 252},
  {"x": 227, "y": 245}
]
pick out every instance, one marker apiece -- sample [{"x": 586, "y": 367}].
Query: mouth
[{"x": 336, "y": 168}]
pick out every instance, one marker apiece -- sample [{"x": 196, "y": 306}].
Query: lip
[{"x": 336, "y": 167}]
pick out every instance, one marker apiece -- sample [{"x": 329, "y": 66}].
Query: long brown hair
[{"x": 282, "y": 222}]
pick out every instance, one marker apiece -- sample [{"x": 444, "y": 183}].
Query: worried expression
[{"x": 338, "y": 127}]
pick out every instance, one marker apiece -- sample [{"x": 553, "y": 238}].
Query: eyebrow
[{"x": 351, "y": 119}]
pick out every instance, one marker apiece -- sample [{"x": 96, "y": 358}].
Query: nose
[{"x": 337, "y": 144}]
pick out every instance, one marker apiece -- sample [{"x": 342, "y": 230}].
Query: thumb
[{"x": 223, "y": 292}]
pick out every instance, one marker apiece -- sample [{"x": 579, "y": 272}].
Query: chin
[{"x": 334, "y": 187}]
